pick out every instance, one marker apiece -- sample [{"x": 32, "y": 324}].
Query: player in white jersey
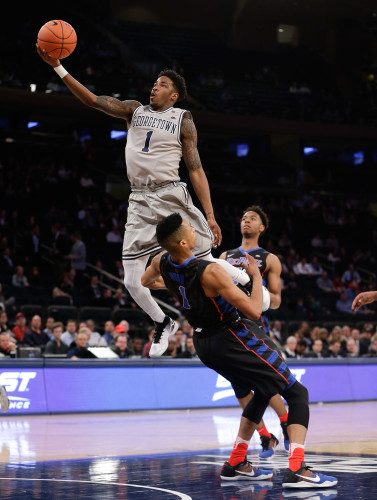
[{"x": 158, "y": 136}]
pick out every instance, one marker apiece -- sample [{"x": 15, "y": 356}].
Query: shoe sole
[
  {"x": 307, "y": 485},
  {"x": 4, "y": 400},
  {"x": 262, "y": 477}
]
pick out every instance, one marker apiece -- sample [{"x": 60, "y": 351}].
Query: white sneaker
[
  {"x": 161, "y": 337},
  {"x": 4, "y": 400}
]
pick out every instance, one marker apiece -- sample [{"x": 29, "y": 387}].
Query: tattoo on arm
[
  {"x": 189, "y": 143},
  {"x": 115, "y": 107}
]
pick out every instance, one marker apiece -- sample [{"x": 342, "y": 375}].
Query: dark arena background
[{"x": 284, "y": 97}]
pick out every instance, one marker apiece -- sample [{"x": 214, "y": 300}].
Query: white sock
[
  {"x": 133, "y": 270},
  {"x": 235, "y": 273},
  {"x": 293, "y": 446}
]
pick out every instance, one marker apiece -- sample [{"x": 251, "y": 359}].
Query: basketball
[{"x": 57, "y": 38}]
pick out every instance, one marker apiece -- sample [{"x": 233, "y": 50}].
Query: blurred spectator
[
  {"x": 4, "y": 327},
  {"x": 78, "y": 258},
  {"x": 189, "y": 351},
  {"x": 372, "y": 350},
  {"x": 334, "y": 350},
  {"x": 121, "y": 346},
  {"x": 301, "y": 348},
  {"x": 137, "y": 344},
  {"x": 316, "y": 350},
  {"x": 111, "y": 333},
  {"x": 5, "y": 301},
  {"x": 350, "y": 274},
  {"x": 365, "y": 338},
  {"x": 290, "y": 347},
  {"x": 20, "y": 327},
  {"x": 70, "y": 334},
  {"x": 303, "y": 267},
  {"x": 343, "y": 305},
  {"x": 48, "y": 326},
  {"x": 120, "y": 298},
  {"x": 338, "y": 284},
  {"x": 180, "y": 339},
  {"x": 316, "y": 268},
  {"x": 148, "y": 344},
  {"x": 355, "y": 334},
  {"x": 351, "y": 349},
  {"x": 276, "y": 331},
  {"x": 19, "y": 278},
  {"x": 35, "y": 337},
  {"x": 95, "y": 338},
  {"x": 94, "y": 290},
  {"x": 7, "y": 346},
  {"x": 317, "y": 241},
  {"x": 79, "y": 349},
  {"x": 172, "y": 347},
  {"x": 325, "y": 283},
  {"x": 55, "y": 345}
]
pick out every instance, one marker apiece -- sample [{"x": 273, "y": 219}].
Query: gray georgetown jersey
[{"x": 154, "y": 148}]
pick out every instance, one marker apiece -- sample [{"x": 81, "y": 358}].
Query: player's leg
[
  {"x": 298, "y": 475},
  {"x": 165, "y": 326},
  {"x": 278, "y": 406},
  {"x": 268, "y": 440},
  {"x": 237, "y": 467}
]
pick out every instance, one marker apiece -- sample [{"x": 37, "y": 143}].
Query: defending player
[
  {"x": 233, "y": 347},
  {"x": 159, "y": 134},
  {"x": 254, "y": 223}
]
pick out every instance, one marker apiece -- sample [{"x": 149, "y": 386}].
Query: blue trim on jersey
[
  {"x": 242, "y": 333},
  {"x": 291, "y": 380},
  {"x": 183, "y": 263},
  {"x": 272, "y": 357},
  {"x": 261, "y": 350},
  {"x": 282, "y": 368},
  {"x": 250, "y": 343},
  {"x": 247, "y": 251}
]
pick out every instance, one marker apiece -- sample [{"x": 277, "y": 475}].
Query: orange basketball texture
[{"x": 57, "y": 38}]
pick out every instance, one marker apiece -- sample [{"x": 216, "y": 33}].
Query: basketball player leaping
[
  {"x": 159, "y": 134},
  {"x": 254, "y": 223},
  {"x": 235, "y": 348}
]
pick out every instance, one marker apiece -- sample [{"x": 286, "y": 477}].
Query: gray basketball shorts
[{"x": 147, "y": 206}]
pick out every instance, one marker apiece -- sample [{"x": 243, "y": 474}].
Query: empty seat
[
  {"x": 62, "y": 313},
  {"x": 31, "y": 310},
  {"x": 98, "y": 314}
]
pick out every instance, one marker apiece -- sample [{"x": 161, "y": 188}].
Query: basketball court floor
[{"x": 177, "y": 455}]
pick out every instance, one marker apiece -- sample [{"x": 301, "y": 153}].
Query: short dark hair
[
  {"x": 264, "y": 217},
  {"x": 178, "y": 82},
  {"x": 166, "y": 228}
]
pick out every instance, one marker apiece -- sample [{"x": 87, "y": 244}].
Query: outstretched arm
[
  {"x": 110, "y": 105},
  {"x": 198, "y": 177}
]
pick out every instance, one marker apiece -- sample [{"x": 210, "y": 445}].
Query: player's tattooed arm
[
  {"x": 189, "y": 137},
  {"x": 198, "y": 177},
  {"x": 115, "y": 107}
]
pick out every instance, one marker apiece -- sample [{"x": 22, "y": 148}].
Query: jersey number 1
[{"x": 147, "y": 141}]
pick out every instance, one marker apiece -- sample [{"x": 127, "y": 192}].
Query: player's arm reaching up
[
  {"x": 110, "y": 105},
  {"x": 198, "y": 177}
]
